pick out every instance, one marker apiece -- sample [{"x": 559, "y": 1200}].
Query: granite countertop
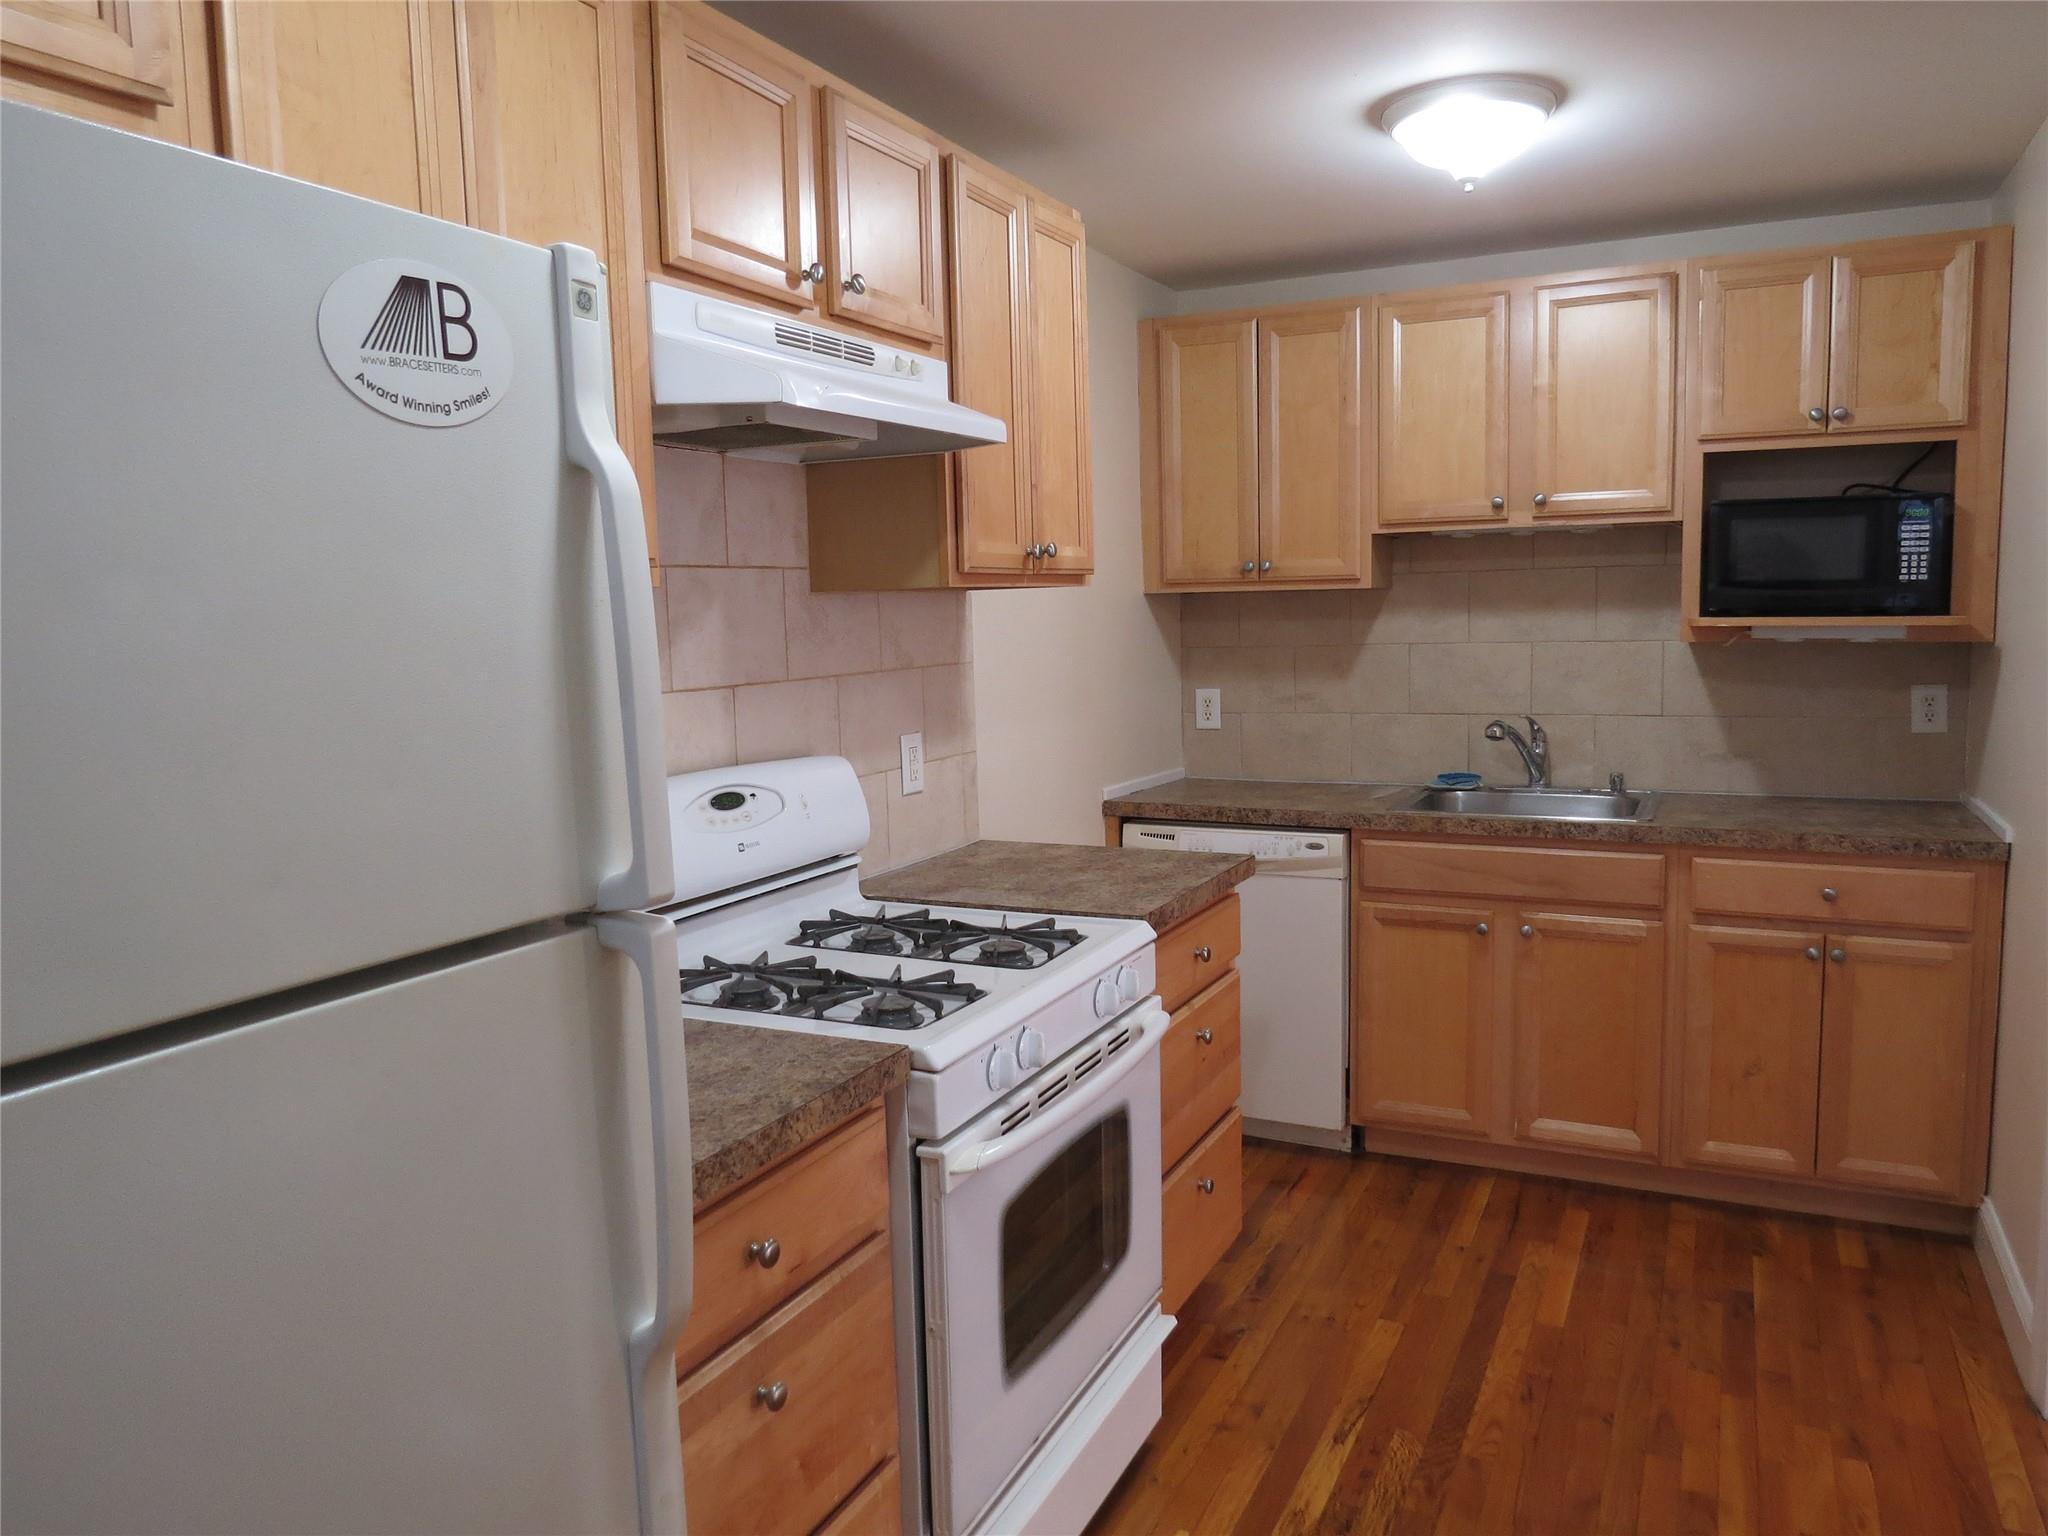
[
  {"x": 1924, "y": 829},
  {"x": 1157, "y": 886},
  {"x": 757, "y": 1094}
]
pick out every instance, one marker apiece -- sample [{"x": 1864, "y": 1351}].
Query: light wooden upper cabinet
[
  {"x": 1588, "y": 1018},
  {"x": 1443, "y": 409},
  {"x": 1751, "y": 1049},
  {"x": 1900, "y": 345},
  {"x": 1311, "y": 425},
  {"x": 1894, "y": 1066},
  {"x": 1057, "y": 439},
  {"x": 991, "y": 365},
  {"x": 886, "y": 263},
  {"x": 735, "y": 129},
  {"x": 1208, "y": 461},
  {"x": 359, "y": 97},
  {"x": 1602, "y": 419},
  {"x": 1763, "y": 346},
  {"x": 1423, "y": 1026},
  {"x": 142, "y": 65}
]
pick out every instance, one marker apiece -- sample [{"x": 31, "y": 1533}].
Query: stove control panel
[{"x": 734, "y": 807}]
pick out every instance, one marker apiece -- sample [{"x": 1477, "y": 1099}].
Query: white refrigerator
[{"x": 344, "y": 1146}]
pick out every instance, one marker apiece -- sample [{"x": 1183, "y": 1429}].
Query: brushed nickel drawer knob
[
  {"x": 772, "y": 1398},
  {"x": 1812, "y": 953},
  {"x": 856, "y": 284},
  {"x": 1265, "y": 565},
  {"x": 1250, "y": 566},
  {"x": 1498, "y": 502},
  {"x": 1828, "y": 893},
  {"x": 1528, "y": 932},
  {"x": 767, "y": 1253},
  {"x": 814, "y": 273},
  {"x": 1540, "y": 499},
  {"x": 1838, "y": 955},
  {"x": 1036, "y": 551},
  {"x": 1840, "y": 413},
  {"x": 1052, "y": 551},
  {"x": 1815, "y": 413},
  {"x": 1202, "y": 954},
  {"x": 1206, "y": 1186},
  {"x": 1480, "y": 928},
  {"x": 1205, "y": 1035}
]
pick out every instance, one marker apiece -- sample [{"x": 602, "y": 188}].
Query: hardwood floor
[{"x": 1412, "y": 1347}]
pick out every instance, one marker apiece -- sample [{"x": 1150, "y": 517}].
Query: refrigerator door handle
[
  {"x": 649, "y": 942},
  {"x": 648, "y": 879}
]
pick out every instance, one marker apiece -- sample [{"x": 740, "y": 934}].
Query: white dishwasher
[{"x": 1295, "y": 1008}]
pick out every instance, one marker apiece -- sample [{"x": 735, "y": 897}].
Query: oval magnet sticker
[{"x": 416, "y": 342}]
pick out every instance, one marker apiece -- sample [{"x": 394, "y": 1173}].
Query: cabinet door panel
[
  {"x": 359, "y": 97},
  {"x": 1589, "y": 1025},
  {"x": 1602, "y": 396},
  {"x": 735, "y": 131},
  {"x": 1443, "y": 409},
  {"x": 882, "y": 206},
  {"x": 990, "y": 362},
  {"x": 1310, "y": 429},
  {"x": 1900, "y": 355},
  {"x": 1752, "y": 1048},
  {"x": 144, "y": 67},
  {"x": 1763, "y": 347},
  {"x": 1062, "y": 495},
  {"x": 1894, "y": 1075},
  {"x": 1208, "y": 451},
  {"x": 1422, "y": 1036}
]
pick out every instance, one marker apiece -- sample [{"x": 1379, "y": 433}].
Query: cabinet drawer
[
  {"x": 1199, "y": 1078},
  {"x": 829, "y": 1359},
  {"x": 1527, "y": 874},
  {"x": 1836, "y": 893},
  {"x": 814, "y": 1210},
  {"x": 1197, "y": 952},
  {"x": 1202, "y": 1209},
  {"x": 876, "y": 1508}
]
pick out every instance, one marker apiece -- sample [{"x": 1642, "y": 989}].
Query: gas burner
[
  {"x": 760, "y": 987},
  {"x": 891, "y": 1003},
  {"x": 918, "y": 935}
]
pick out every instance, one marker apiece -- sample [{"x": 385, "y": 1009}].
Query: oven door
[{"x": 1041, "y": 1249}]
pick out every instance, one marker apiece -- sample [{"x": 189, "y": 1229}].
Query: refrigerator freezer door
[
  {"x": 291, "y": 686},
  {"x": 366, "y": 1266}
]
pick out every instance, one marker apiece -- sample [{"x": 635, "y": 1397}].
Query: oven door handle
[{"x": 960, "y": 1163}]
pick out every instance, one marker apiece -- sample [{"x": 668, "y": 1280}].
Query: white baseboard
[
  {"x": 1144, "y": 781},
  {"x": 2016, "y": 1312},
  {"x": 1998, "y": 823}
]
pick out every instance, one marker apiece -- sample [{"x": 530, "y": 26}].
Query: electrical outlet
[
  {"x": 912, "y": 743},
  {"x": 1930, "y": 708},
  {"x": 1208, "y": 709}
]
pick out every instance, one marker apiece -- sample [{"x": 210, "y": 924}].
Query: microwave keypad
[{"x": 1916, "y": 539}]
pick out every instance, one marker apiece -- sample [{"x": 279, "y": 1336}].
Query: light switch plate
[
  {"x": 912, "y": 743},
  {"x": 1930, "y": 708},
  {"x": 1208, "y": 709}
]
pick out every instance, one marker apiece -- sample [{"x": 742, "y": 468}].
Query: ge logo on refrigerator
[{"x": 416, "y": 342}]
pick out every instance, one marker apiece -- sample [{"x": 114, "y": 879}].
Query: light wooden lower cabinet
[
  {"x": 1752, "y": 1048},
  {"x": 874, "y": 1509},
  {"x": 1202, "y": 1208},
  {"x": 1587, "y": 1009},
  {"x": 1423, "y": 1032},
  {"x": 1200, "y": 1078}
]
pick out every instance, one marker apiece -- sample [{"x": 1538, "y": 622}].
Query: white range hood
[{"x": 737, "y": 379}]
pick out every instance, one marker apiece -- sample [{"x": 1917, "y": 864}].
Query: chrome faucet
[{"x": 1535, "y": 752}]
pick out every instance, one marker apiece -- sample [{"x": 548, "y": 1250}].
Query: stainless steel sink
[{"x": 1542, "y": 804}]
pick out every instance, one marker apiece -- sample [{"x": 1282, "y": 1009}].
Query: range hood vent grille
[{"x": 824, "y": 344}]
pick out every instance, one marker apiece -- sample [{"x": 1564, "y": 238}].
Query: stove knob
[
  {"x": 1127, "y": 982},
  {"x": 1002, "y": 1070},
  {"x": 1030, "y": 1049},
  {"x": 1106, "y": 999}
]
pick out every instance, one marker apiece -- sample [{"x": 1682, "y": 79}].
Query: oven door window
[
  {"x": 1064, "y": 1234},
  {"x": 1799, "y": 550}
]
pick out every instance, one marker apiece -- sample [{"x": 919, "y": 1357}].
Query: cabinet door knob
[
  {"x": 1052, "y": 550},
  {"x": 1480, "y": 928},
  {"x": 1815, "y": 413},
  {"x": 1528, "y": 932},
  {"x": 772, "y": 1398},
  {"x": 814, "y": 273},
  {"x": 1202, "y": 953},
  {"x": 1206, "y": 1186},
  {"x": 1265, "y": 565},
  {"x": 1205, "y": 1035},
  {"x": 1838, "y": 955},
  {"x": 1250, "y": 566},
  {"x": 856, "y": 284},
  {"x": 1034, "y": 551},
  {"x": 767, "y": 1253},
  {"x": 1828, "y": 893},
  {"x": 1840, "y": 413},
  {"x": 1540, "y": 499},
  {"x": 1499, "y": 502},
  {"x": 1812, "y": 953}
]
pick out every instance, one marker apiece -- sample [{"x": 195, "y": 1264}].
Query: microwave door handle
[
  {"x": 583, "y": 347},
  {"x": 960, "y": 1163}
]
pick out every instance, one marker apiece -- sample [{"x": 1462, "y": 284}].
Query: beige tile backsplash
[
  {"x": 1397, "y": 684},
  {"x": 762, "y": 667}
]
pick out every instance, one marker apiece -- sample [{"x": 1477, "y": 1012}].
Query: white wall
[
  {"x": 2008, "y": 774},
  {"x": 1833, "y": 229},
  {"x": 1078, "y": 689}
]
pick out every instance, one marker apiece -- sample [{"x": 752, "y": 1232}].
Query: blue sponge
[{"x": 1457, "y": 780}]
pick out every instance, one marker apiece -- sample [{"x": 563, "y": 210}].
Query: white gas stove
[{"x": 1031, "y": 1216}]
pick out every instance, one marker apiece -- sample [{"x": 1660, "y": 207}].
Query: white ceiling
[{"x": 1226, "y": 140}]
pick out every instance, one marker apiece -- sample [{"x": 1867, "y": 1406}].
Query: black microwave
[{"x": 1827, "y": 556}]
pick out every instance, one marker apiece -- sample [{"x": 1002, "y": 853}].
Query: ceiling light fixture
[{"x": 1469, "y": 126}]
